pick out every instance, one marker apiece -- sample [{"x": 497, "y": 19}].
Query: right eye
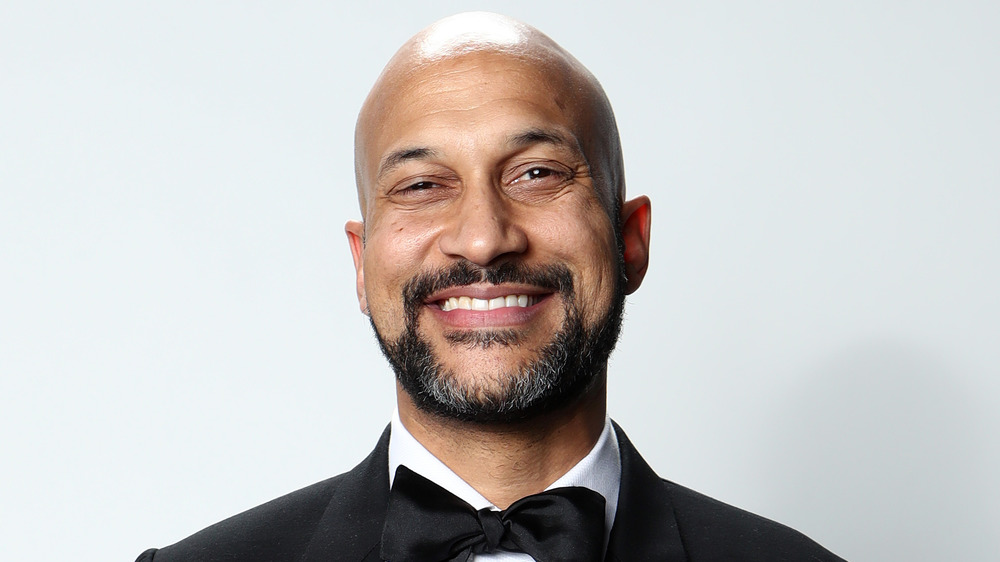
[
  {"x": 421, "y": 190},
  {"x": 420, "y": 186}
]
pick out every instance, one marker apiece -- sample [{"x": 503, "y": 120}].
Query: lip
[
  {"x": 507, "y": 317},
  {"x": 487, "y": 291}
]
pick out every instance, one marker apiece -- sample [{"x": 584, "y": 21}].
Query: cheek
[
  {"x": 600, "y": 273},
  {"x": 395, "y": 251},
  {"x": 588, "y": 246}
]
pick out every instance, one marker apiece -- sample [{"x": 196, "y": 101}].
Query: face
[{"x": 488, "y": 262}]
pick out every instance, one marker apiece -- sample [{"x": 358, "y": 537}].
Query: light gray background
[{"x": 816, "y": 339}]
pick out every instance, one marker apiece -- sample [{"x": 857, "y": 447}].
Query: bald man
[{"x": 493, "y": 257}]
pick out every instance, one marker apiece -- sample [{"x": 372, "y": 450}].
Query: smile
[{"x": 471, "y": 303}]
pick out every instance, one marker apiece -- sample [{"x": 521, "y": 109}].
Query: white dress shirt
[{"x": 600, "y": 471}]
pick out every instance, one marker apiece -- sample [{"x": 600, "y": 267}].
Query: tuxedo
[{"x": 341, "y": 519}]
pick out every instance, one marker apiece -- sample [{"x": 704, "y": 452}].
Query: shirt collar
[{"x": 599, "y": 471}]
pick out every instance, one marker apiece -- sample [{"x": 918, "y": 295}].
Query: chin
[
  {"x": 560, "y": 371},
  {"x": 564, "y": 370}
]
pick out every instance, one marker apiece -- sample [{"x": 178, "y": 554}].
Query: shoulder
[
  {"x": 342, "y": 513},
  {"x": 713, "y": 530},
  {"x": 277, "y": 530},
  {"x": 662, "y": 520}
]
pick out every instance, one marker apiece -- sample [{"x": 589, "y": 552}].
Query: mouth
[
  {"x": 488, "y": 306},
  {"x": 465, "y": 296},
  {"x": 465, "y": 302}
]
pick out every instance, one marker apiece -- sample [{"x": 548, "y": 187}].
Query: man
[{"x": 494, "y": 256}]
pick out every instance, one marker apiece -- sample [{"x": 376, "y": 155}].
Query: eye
[
  {"x": 537, "y": 178},
  {"x": 421, "y": 190},
  {"x": 535, "y": 174},
  {"x": 420, "y": 186}
]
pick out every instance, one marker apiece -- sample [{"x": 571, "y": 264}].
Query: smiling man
[{"x": 493, "y": 258}]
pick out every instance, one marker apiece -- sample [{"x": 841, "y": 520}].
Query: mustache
[{"x": 553, "y": 277}]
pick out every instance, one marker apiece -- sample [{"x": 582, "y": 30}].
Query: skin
[{"x": 485, "y": 141}]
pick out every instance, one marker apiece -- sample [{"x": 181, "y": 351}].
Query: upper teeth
[{"x": 469, "y": 303}]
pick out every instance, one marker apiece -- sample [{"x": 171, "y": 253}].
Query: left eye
[
  {"x": 421, "y": 185},
  {"x": 536, "y": 173}
]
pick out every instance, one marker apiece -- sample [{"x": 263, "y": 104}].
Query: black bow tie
[{"x": 426, "y": 523}]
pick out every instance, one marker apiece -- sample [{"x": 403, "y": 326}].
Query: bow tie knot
[
  {"x": 494, "y": 529},
  {"x": 426, "y": 523}
]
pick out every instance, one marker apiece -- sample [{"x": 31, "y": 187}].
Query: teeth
[{"x": 469, "y": 303}]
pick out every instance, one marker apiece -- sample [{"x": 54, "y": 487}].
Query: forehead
[
  {"x": 485, "y": 73},
  {"x": 472, "y": 95}
]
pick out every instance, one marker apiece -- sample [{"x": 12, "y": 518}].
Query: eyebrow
[
  {"x": 540, "y": 136},
  {"x": 398, "y": 157},
  {"x": 523, "y": 139}
]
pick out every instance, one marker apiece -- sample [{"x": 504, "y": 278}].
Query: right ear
[{"x": 356, "y": 238}]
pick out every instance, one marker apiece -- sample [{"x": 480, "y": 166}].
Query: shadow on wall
[{"x": 888, "y": 457}]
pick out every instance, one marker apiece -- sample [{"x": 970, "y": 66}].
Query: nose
[{"x": 483, "y": 227}]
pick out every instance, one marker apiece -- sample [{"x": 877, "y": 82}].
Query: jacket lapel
[
  {"x": 351, "y": 527},
  {"x": 645, "y": 527}
]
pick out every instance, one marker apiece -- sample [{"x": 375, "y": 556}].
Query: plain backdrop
[{"x": 816, "y": 339}]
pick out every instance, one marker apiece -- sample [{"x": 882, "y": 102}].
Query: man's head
[{"x": 490, "y": 176}]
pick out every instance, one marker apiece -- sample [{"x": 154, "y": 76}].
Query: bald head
[{"x": 457, "y": 48}]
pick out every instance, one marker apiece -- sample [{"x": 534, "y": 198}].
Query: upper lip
[{"x": 486, "y": 291}]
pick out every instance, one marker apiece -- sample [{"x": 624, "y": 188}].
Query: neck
[{"x": 506, "y": 462}]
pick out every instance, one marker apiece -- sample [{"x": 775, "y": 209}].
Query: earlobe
[
  {"x": 355, "y": 238},
  {"x": 636, "y": 217}
]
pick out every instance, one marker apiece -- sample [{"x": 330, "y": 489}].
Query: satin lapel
[
  {"x": 351, "y": 527},
  {"x": 645, "y": 527}
]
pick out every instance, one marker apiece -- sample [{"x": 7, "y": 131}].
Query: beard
[{"x": 572, "y": 363}]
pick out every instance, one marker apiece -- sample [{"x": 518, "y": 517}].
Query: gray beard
[{"x": 567, "y": 367}]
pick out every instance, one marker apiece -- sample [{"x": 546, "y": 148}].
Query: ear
[
  {"x": 355, "y": 237},
  {"x": 635, "y": 237}
]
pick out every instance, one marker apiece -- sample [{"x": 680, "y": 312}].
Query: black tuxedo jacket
[{"x": 341, "y": 519}]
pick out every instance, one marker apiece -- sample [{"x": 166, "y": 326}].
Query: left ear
[{"x": 635, "y": 237}]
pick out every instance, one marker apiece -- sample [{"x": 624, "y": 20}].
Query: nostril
[{"x": 482, "y": 242}]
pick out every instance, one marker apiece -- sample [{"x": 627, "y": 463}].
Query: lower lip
[{"x": 507, "y": 317}]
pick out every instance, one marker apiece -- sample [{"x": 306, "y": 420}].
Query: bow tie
[{"x": 426, "y": 523}]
